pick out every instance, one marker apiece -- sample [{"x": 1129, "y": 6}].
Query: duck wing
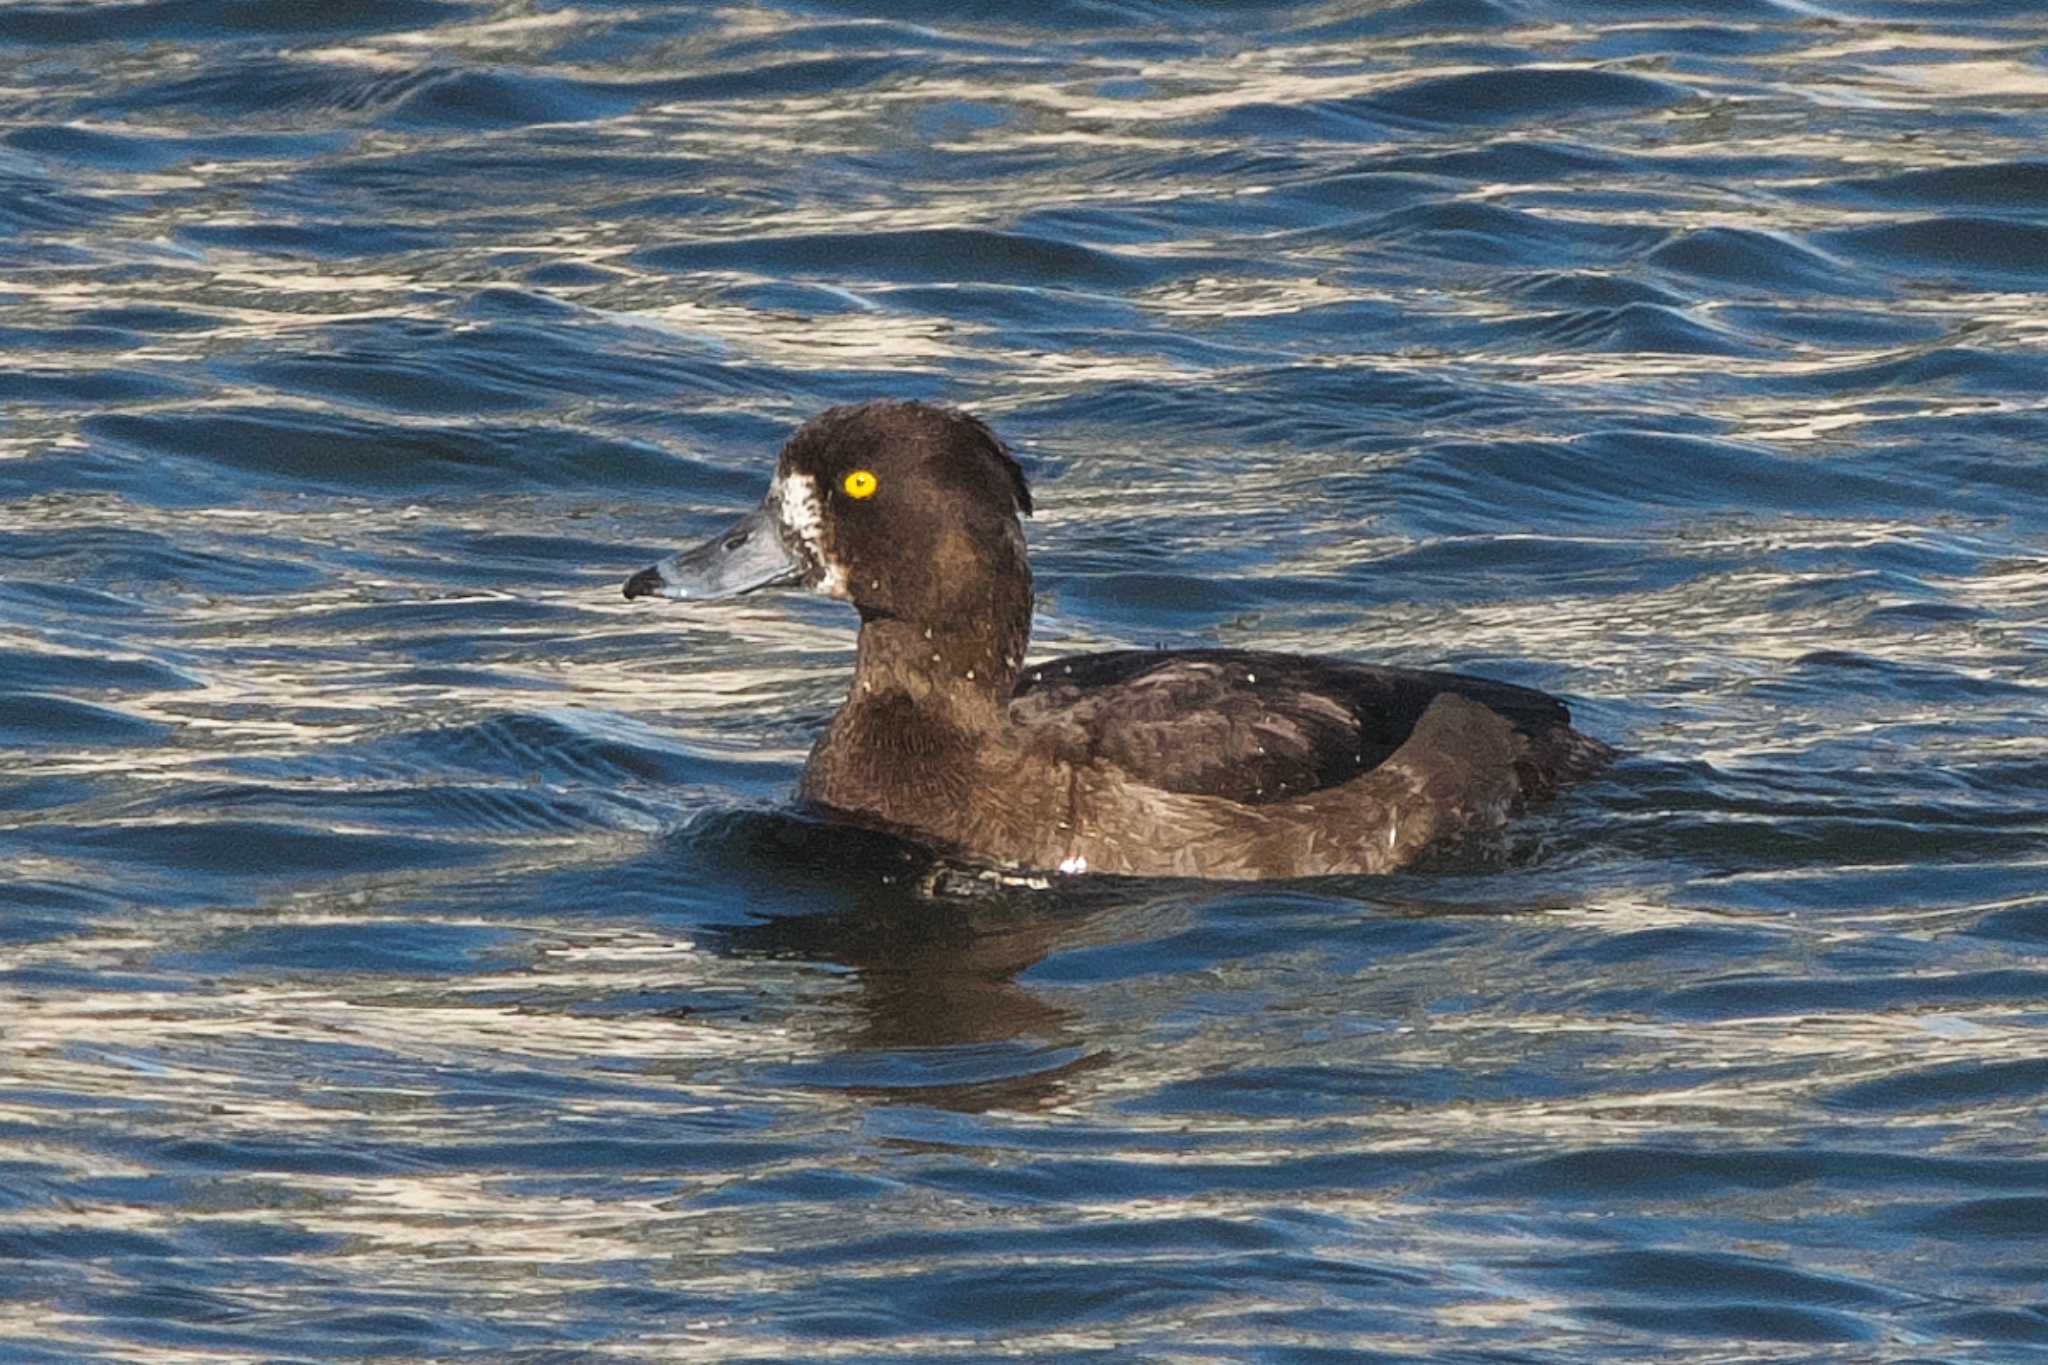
[{"x": 1246, "y": 725}]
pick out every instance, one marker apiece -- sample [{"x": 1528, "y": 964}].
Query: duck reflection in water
[{"x": 940, "y": 1017}]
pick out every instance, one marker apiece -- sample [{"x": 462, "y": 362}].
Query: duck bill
[{"x": 748, "y": 554}]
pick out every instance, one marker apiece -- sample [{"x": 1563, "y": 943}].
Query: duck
[{"x": 1223, "y": 764}]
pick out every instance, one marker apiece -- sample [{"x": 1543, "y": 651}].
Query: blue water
[{"x": 407, "y": 950}]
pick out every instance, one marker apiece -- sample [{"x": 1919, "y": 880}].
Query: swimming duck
[{"x": 1220, "y": 763}]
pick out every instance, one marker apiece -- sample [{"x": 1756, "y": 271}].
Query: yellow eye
[{"x": 859, "y": 484}]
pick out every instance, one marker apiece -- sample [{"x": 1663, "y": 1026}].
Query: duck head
[{"x": 906, "y": 510}]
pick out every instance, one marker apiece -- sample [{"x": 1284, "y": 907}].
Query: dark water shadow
[{"x": 955, "y": 1007}]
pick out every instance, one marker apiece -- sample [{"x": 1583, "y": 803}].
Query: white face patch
[{"x": 798, "y": 508}]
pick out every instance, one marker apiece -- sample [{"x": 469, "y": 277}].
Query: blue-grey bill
[{"x": 748, "y": 554}]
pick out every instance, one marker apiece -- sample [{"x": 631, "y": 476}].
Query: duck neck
[
  {"x": 927, "y": 714},
  {"x": 958, "y": 672}
]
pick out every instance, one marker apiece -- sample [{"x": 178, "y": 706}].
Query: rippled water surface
[{"x": 408, "y": 950}]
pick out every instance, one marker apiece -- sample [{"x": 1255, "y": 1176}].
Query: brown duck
[{"x": 1191, "y": 763}]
